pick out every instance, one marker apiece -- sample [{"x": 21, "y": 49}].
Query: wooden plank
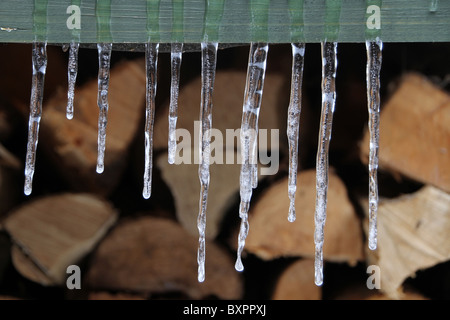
[{"x": 276, "y": 21}]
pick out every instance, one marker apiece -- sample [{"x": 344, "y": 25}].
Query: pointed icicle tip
[
  {"x": 100, "y": 169},
  {"x": 239, "y": 266}
]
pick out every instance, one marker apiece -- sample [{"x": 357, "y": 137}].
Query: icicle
[
  {"x": 329, "y": 65},
  {"x": 72, "y": 77},
  {"x": 295, "y": 103},
  {"x": 209, "y": 57},
  {"x": 374, "y": 49},
  {"x": 248, "y": 136},
  {"x": 151, "y": 65},
  {"x": 104, "y": 61},
  {"x": 176, "y": 57},
  {"x": 39, "y": 62}
]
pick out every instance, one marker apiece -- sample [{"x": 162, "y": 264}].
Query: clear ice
[
  {"x": 39, "y": 63},
  {"x": 295, "y": 107},
  {"x": 176, "y": 58},
  {"x": 104, "y": 62},
  {"x": 374, "y": 57},
  {"x": 329, "y": 65},
  {"x": 209, "y": 57},
  {"x": 248, "y": 136},
  {"x": 151, "y": 65},
  {"x": 72, "y": 76}
]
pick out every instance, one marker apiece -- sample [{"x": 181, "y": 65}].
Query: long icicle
[
  {"x": 104, "y": 62},
  {"x": 72, "y": 76},
  {"x": 374, "y": 57},
  {"x": 176, "y": 58},
  {"x": 293, "y": 123},
  {"x": 39, "y": 63},
  {"x": 248, "y": 136},
  {"x": 329, "y": 65},
  {"x": 209, "y": 57},
  {"x": 151, "y": 65}
]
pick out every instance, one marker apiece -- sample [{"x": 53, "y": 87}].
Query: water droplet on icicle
[
  {"x": 249, "y": 133},
  {"x": 151, "y": 65},
  {"x": 374, "y": 57},
  {"x": 104, "y": 62},
  {"x": 72, "y": 76},
  {"x": 39, "y": 64},
  {"x": 209, "y": 57},
  {"x": 298, "y": 53},
  {"x": 176, "y": 58},
  {"x": 329, "y": 65}
]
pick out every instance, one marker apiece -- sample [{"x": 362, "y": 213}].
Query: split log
[
  {"x": 415, "y": 133},
  {"x": 412, "y": 235},
  {"x": 155, "y": 256},
  {"x": 227, "y": 111},
  {"x": 51, "y": 233},
  {"x": 184, "y": 184},
  {"x": 272, "y": 236},
  {"x": 72, "y": 144},
  {"x": 295, "y": 282}
]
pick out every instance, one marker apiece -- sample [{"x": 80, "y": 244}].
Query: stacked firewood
[{"x": 130, "y": 248}]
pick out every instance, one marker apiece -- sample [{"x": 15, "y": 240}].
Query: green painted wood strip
[
  {"x": 177, "y": 20},
  {"x": 40, "y": 20},
  {"x": 103, "y": 16},
  {"x": 373, "y": 24},
  {"x": 73, "y": 23},
  {"x": 152, "y": 10},
  {"x": 296, "y": 21},
  {"x": 332, "y": 23},
  {"x": 213, "y": 19},
  {"x": 274, "y": 21},
  {"x": 259, "y": 25}
]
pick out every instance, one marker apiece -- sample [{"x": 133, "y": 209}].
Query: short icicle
[
  {"x": 39, "y": 64},
  {"x": 209, "y": 57},
  {"x": 329, "y": 66},
  {"x": 248, "y": 137},
  {"x": 72, "y": 76},
  {"x": 104, "y": 62},
  {"x": 293, "y": 123},
  {"x": 151, "y": 65},
  {"x": 176, "y": 58},
  {"x": 374, "y": 57}
]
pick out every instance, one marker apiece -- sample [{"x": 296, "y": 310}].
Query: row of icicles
[{"x": 249, "y": 126}]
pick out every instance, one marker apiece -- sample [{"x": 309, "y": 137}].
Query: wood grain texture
[
  {"x": 415, "y": 133},
  {"x": 271, "y": 235},
  {"x": 412, "y": 235},
  {"x": 401, "y": 21},
  {"x": 150, "y": 255},
  {"x": 53, "y": 232}
]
